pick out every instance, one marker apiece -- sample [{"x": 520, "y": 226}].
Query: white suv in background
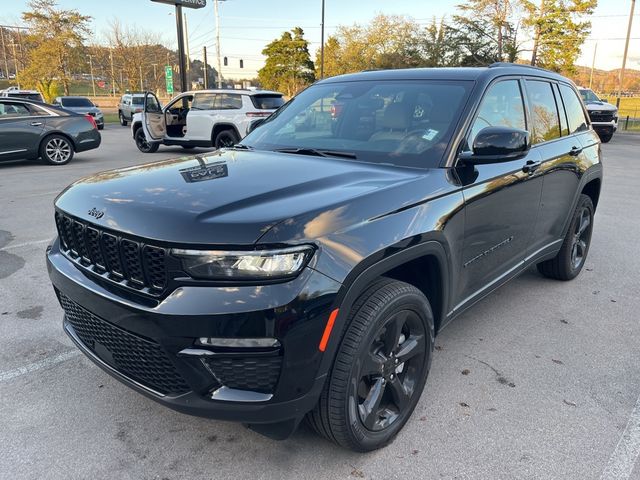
[{"x": 202, "y": 118}]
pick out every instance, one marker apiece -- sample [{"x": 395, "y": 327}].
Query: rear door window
[
  {"x": 204, "y": 101},
  {"x": 575, "y": 113},
  {"x": 502, "y": 106},
  {"x": 228, "y": 101},
  {"x": 544, "y": 111}
]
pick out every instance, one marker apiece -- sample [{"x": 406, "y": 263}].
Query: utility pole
[
  {"x": 322, "y": 44},
  {"x": 624, "y": 56},
  {"x": 4, "y": 54},
  {"x": 215, "y": 6},
  {"x": 155, "y": 77},
  {"x": 593, "y": 63},
  {"x": 93, "y": 83},
  {"x": 186, "y": 42},
  {"x": 206, "y": 68},
  {"x": 113, "y": 75},
  {"x": 15, "y": 59},
  {"x": 141, "y": 79}
]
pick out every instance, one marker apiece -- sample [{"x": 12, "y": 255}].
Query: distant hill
[{"x": 606, "y": 81}]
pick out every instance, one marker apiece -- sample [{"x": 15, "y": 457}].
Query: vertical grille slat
[{"x": 122, "y": 260}]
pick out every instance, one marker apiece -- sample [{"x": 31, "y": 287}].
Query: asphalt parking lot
[{"x": 569, "y": 353}]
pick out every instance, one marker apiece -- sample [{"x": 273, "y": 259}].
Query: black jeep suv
[{"x": 305, "y": 271}]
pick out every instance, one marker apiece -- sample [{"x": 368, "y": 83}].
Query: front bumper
[{"x": 150, "y": 344}]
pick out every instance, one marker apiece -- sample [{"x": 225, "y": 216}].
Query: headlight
[{"x": 249, "y": 265}]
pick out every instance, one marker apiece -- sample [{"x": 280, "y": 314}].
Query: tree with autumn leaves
[{"x": 55, "y": 42}]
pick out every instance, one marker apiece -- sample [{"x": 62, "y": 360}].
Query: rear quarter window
[
  {"x": 267, "y": 102},
  {"x": 575, "y": 113},
  {"x": 228, "y": 101}
]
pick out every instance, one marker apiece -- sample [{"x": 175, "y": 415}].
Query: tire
[
  {"x": 568, "y": 263},
  {"x": 123, "y": 121},
  {"x": 225, "y": 138},
  {"x": 100, "y": 127},
  {"x": 56, "y": 150},
  {"x": 606, "y": 137},
  {"x": 366, "y": 372},
  {"x": 143, "y": 145}
]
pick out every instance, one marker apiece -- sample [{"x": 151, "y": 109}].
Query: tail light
[
  {"x": 258, "y": 114},
  {"x": 91, "y": 120},
  {"x": 137, "y": 110}
]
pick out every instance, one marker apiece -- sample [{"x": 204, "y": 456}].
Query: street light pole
[
  {"x": 93, "y": 83},
  {"x": 206, "y": 68},
  {"x": 624, "y": 56},
  {"x": 113, "y": 75},
  {"x": 593, "y": 63},
  {"x": 186, "y": 42},
  {"x": 322, "y": 44},
  {"x": 183, "y": 67}
]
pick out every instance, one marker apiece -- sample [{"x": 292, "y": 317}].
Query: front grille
[
  {"x": 116, "y": 257},
  {"x": 258, "y": 374},
  {"x": 601, "y": 116},
  {"x": 138, "y": 358}
]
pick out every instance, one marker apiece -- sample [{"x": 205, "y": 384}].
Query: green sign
[{"x": 168, "y": 74}]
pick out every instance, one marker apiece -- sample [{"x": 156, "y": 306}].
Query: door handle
[
  {"x": 575, "y": 151},
  {"x": 531, "y": 166},
  {"x": 36, "y": 124}
]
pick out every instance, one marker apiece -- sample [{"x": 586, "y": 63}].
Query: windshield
[
  {"x": 589, "y": 96},
  {"x": 137, "y": 100},
  {"x": 76, "y": 102},
  {"x": 404, "y": 123}
]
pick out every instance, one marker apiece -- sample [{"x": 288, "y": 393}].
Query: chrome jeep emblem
[{"x": 94, "y": 212}]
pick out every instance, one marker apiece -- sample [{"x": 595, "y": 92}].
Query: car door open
[{"x": 153, "y": 121}]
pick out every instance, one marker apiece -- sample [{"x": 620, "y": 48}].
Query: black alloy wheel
[
  {"x": 380, "y": 368},
  {"x": 390, "y": 370},
  {"x": 143, "y": 144}
]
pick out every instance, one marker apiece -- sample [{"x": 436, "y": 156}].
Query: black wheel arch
[
  {"x": 219, "y": 127},
  {"x": 135, "y": 127},
  {"x": 407, "y": 265}
]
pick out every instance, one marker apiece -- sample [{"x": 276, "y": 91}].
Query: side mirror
[
  {"x": 255, "y": 124},
  {"x": 496, "y": 145},
  {"x": 604, "y": 100}
]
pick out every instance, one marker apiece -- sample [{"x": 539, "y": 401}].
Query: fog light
[{"x": 238, "y": 342}]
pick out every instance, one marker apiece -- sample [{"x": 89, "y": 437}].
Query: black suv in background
[{"x": 305, "y": 271}]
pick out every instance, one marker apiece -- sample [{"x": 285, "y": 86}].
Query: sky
[{"x": 246, "y": 26}]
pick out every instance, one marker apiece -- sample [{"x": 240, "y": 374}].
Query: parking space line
[
  {"x": 32, "y": 367},
  {"x": 25, "y": 244},
  {"x": 623, "y": 458}
]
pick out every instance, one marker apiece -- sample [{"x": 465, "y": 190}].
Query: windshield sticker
[{"x": 430, "y": 134}]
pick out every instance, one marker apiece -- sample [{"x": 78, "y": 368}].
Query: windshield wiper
[{"x": 317, "y": 153}]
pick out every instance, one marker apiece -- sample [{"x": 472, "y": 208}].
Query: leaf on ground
[
  {"x": 571, "y": 404},
  {"x": 466, "y": 371},
  {"x": 559, "y": 362},
  {"x": 463, "y": 404}
]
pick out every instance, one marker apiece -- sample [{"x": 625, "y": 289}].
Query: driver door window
[{"x": 501, "y": 106}]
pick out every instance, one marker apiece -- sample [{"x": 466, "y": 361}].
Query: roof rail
[{"x": 509, "y": 64}]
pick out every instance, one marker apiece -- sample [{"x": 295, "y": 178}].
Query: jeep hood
[
  {"x": 230, "y": 197},
  {"x": 600, "y": 106}
]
